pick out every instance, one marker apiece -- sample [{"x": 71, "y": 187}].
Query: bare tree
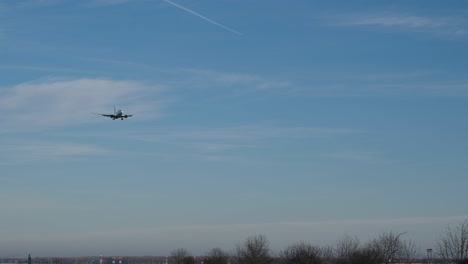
[
  {"x": 326, "y": 253},
  {"x": 57, "y": 261},
  {"x": 346, "y": 247},
  {"x": 216, "y": 256},
  {"x": 410, "y": 253},
  {"x": 453, "y": 247},
  {"x": 303, "y": 253},
  {"x": 368, "y": 254},
  {"x": 394, "y": 249},
  {"x": 387, "y": 248},
  {"x": 179, "y": 256},
  {"x": 350, "y": 251},
  {"x": 255, "y": 250},
  {"x": 189, "y": 260},
  {"x": 389, "y": 245}
]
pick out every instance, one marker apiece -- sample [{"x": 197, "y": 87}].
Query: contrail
[{"x": 203, "y": 17}]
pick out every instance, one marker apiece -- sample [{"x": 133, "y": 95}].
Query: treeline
[
  {"x": 391, "y": 247},
  {"x": 451, "y": 248},
  {"x": 388, "y": 248}
]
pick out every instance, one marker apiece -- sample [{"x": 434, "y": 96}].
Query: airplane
[{"x": 117, "y": 114}]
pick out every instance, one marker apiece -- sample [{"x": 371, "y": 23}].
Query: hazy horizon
[{"x": 162, "y": 241}]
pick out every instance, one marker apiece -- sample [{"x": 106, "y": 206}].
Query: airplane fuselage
[{"x": 119, "y": 114}]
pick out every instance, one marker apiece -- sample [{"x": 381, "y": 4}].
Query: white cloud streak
[
  {"x": 328, "y": 84},
  {"x": 35, "y": 151},
  {"x": 38, "y": 3},
  {"x": 33, "y": 202},
  {"x": 224, "y": 143},
  {"x": 427, "y": 84},
  {"x": 409, "y": 21},
  {"x": 261, "y": 132},
  {"x": 108, "y": 2},
  {"x": 255, "y": 82},
  {"x": 221, "y": 143},
  {"x": 335, "y": 85},
  {"x": 352, "y": 156},
  {"x": 202, "y": 17},
  {"x": 58, "y": 103},
  {"x": 44, "y": 69},
  {"x": 230, "y": 136},
  {"x": 439, "y": 25},
  {"x": 311, "y": 224}
]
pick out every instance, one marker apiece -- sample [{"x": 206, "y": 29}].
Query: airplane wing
[
  {"x": 127, "y": 116},
  {"x": 111, "y": 116}
]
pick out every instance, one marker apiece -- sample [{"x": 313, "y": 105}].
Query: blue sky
[{"x": 300, "y": 120}]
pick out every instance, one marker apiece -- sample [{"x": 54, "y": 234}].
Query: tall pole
[{"x": 429, "y": 255}]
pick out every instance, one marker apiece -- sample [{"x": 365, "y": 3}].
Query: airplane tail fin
[{"x": 114, "y": 110}]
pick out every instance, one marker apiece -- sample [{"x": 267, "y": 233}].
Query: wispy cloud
[
  {"x": 208, "y": 147},
  {"x": 39, "y": 68},
  {"x": 353, "y": 156},
  {"x": 33, "y": 203},
  {"x": 40, "y": 151},
  {"x": 310, "y": 224},
  {"x": 202, "y": 17},
  {"x": 449, "y": 87},
  {"x": 246, "y": 133},
  {"x": 391, "y": 21},
  {"x": 239, "y": 83},
  {"x": 127, "y": 64},
  {"x": 215, "y": 143},
  {"x": 226, "y": 143},
  {"x": 202, "y": 78},
  {"x": 242, "y": 84},
  {"x": 38, "y": 3},
  {"x": 53, "y": 103},
  {"x": 394, "y": 84},
  {"x": 88, "y": 3},
  {"x": 342, "y": 225},
  {"x": 108, "y": 2},
  {"x": 262, "y": 132},
  {"x": 439, "y": 25},
  {"x": 328, "y": 84}
]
